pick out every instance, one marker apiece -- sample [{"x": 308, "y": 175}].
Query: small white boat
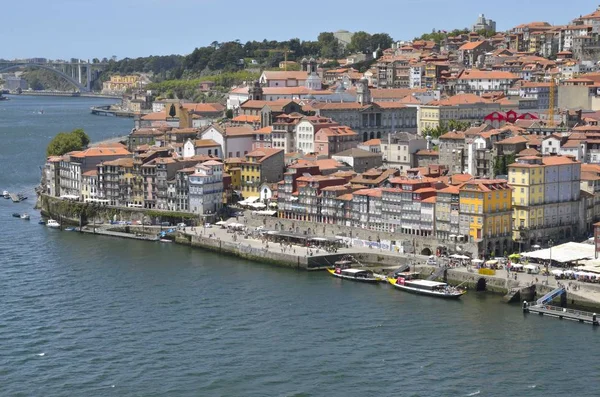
[
  {"x": 363, "y": 275},
  {"x": 6, "y": 194},
  {"x": 25, "y": 216},
  {"x": 427, "y": 287},
  {"x": 165, "y": 240},
  {"x": 53, "y": 224}
]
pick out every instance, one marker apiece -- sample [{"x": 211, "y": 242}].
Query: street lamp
[{"x": 550, "y": 242}]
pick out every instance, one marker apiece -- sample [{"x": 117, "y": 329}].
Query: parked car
[
  {"x": 207, "y": 225},
  {"x": 181, "y": 225},
  {"x": 165, "y": 224}
]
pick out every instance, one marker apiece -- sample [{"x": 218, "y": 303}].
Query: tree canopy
[
  {"x": 65, "y": 142},
  {"x": 445, "y": 127}
]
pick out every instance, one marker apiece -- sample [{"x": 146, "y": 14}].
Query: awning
[
  {"x": 220, "y": 223},
  {"x": 491, "y": 262},
  {"x": 457, "y": 256},
  {"x": 477, "y": 260},
  {"x": 564, "y": 253},
  {"x": 531, "y": 267},
  {"x": 265, "y": 212},
  {"x": 258, "y": 205}
]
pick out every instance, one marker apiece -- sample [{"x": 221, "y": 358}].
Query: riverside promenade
[{"x": 578, "y": 293}]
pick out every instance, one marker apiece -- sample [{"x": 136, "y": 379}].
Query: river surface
[{"x": 87, "y": 315}]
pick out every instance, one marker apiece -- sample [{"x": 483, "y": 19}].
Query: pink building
[{"x": 335, "y": 139}]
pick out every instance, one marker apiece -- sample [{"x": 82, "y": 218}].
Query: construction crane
[
  {"x": 551, "y": 103},
  {"x": 285, "y": 52}
]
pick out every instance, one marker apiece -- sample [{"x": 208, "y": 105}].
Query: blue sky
[{"x": 86, "y": 28}]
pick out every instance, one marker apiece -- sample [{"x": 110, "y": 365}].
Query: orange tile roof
[
  {"x": 203, "y": 107},
  {"x": 529, "y": 152},
  {"x": 156, "y": 116},
  {"x": 453, "y": 135},
  {"x": 450, "y": 189},
  {"x": 471, "y": 45},
  {"x": 102, "y": 151},
  {"x": 425, "y": 152},
  {"x": 512, "y": 140},
  {"x": 476, "y": 74},
  {"x": 558, "y": 160},
  {"x": 369, "y": 192},
  {"x": 205, "y": 143},
  {"x": 460, "y": 99},
  {"x": 126, "y": 162},
  {"x": 372, "y": 142},
  {"x": 285, "y": 75},
  {"x": 246, "y": 118},
  {"x": 264, "y": 153}
]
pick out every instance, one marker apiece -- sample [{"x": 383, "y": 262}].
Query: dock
[{"x": 562, "y": 313}]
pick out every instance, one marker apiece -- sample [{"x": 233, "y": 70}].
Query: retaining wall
[{"x": 245, "y": 251}]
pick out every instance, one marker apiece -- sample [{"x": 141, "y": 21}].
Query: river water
[{"x": 87, "y": 315}]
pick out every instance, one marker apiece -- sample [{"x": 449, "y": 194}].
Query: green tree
[
  {"x": 330, "y": 48},
  {"x": 83, "y": 137},
  {"x": 445, "y": 127},
  {"x": 360, "y": 42},
  {"x": 381, "y": 40},
  {"x": 229, "y": 113},
  {"x": 65, "y": 142},
  {"x": 501, "y": 163}
]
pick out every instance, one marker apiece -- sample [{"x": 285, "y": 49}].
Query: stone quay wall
[
  {"x": 245, "y": 251},
  {"x": 328, "y": 230}
]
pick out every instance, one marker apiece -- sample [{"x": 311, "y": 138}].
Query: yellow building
[
  {"x": 485, "y": 215},
  {"x": 461, "y": 107},
  {"x": 527, "y": 179},
  {"x": 120, "y": 84},
  {"x": 89, "y": 186},
  {"x": 546, "y": 199},
  {"x": 233, "y": 167}
]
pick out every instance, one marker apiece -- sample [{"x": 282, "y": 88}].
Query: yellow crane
[
  {"x": 551, "y": 100},
  {"x": 285, "y": 52}
]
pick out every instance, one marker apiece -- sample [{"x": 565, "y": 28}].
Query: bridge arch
[{"x": 71, "y": 80}]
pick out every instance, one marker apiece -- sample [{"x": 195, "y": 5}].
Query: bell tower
[
  {"x": 363, "y": 94},
  {"x": 255, "y": 92}
]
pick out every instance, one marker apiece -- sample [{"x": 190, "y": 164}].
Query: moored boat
[
  {"x": 70, "y": 229},
  {"x": 25, "y": 216},
  {"x": 6, "y": 194},
  {"x": 427, "y": 287},
  {"x": 16, "y": 215},
  {"x": 362, "y": 275},
  {"x": 53, "y": 224}
]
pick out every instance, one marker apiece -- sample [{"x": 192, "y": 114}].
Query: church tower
[
  {"x": 363, "y": 94},
  {"x": 312, "y": 66},
  {"x": 255, "y": 92}
]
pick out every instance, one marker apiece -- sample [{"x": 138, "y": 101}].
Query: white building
[
  {"x": 551, "y": 145},
  {"x": 479, "y": 81},
  {"x": 234, "y": 141},
  {"x": 283, "y": 79},
  {"x": 305, "y": 132},
  {"x": 207, "y": 147},
  {"x": 206, "y": 188},
  {"x": 415, "y": 75},
  {"x": 575, "y": 148}
]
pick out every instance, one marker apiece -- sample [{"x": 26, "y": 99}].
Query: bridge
[{"x": 69, "y": 71}]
